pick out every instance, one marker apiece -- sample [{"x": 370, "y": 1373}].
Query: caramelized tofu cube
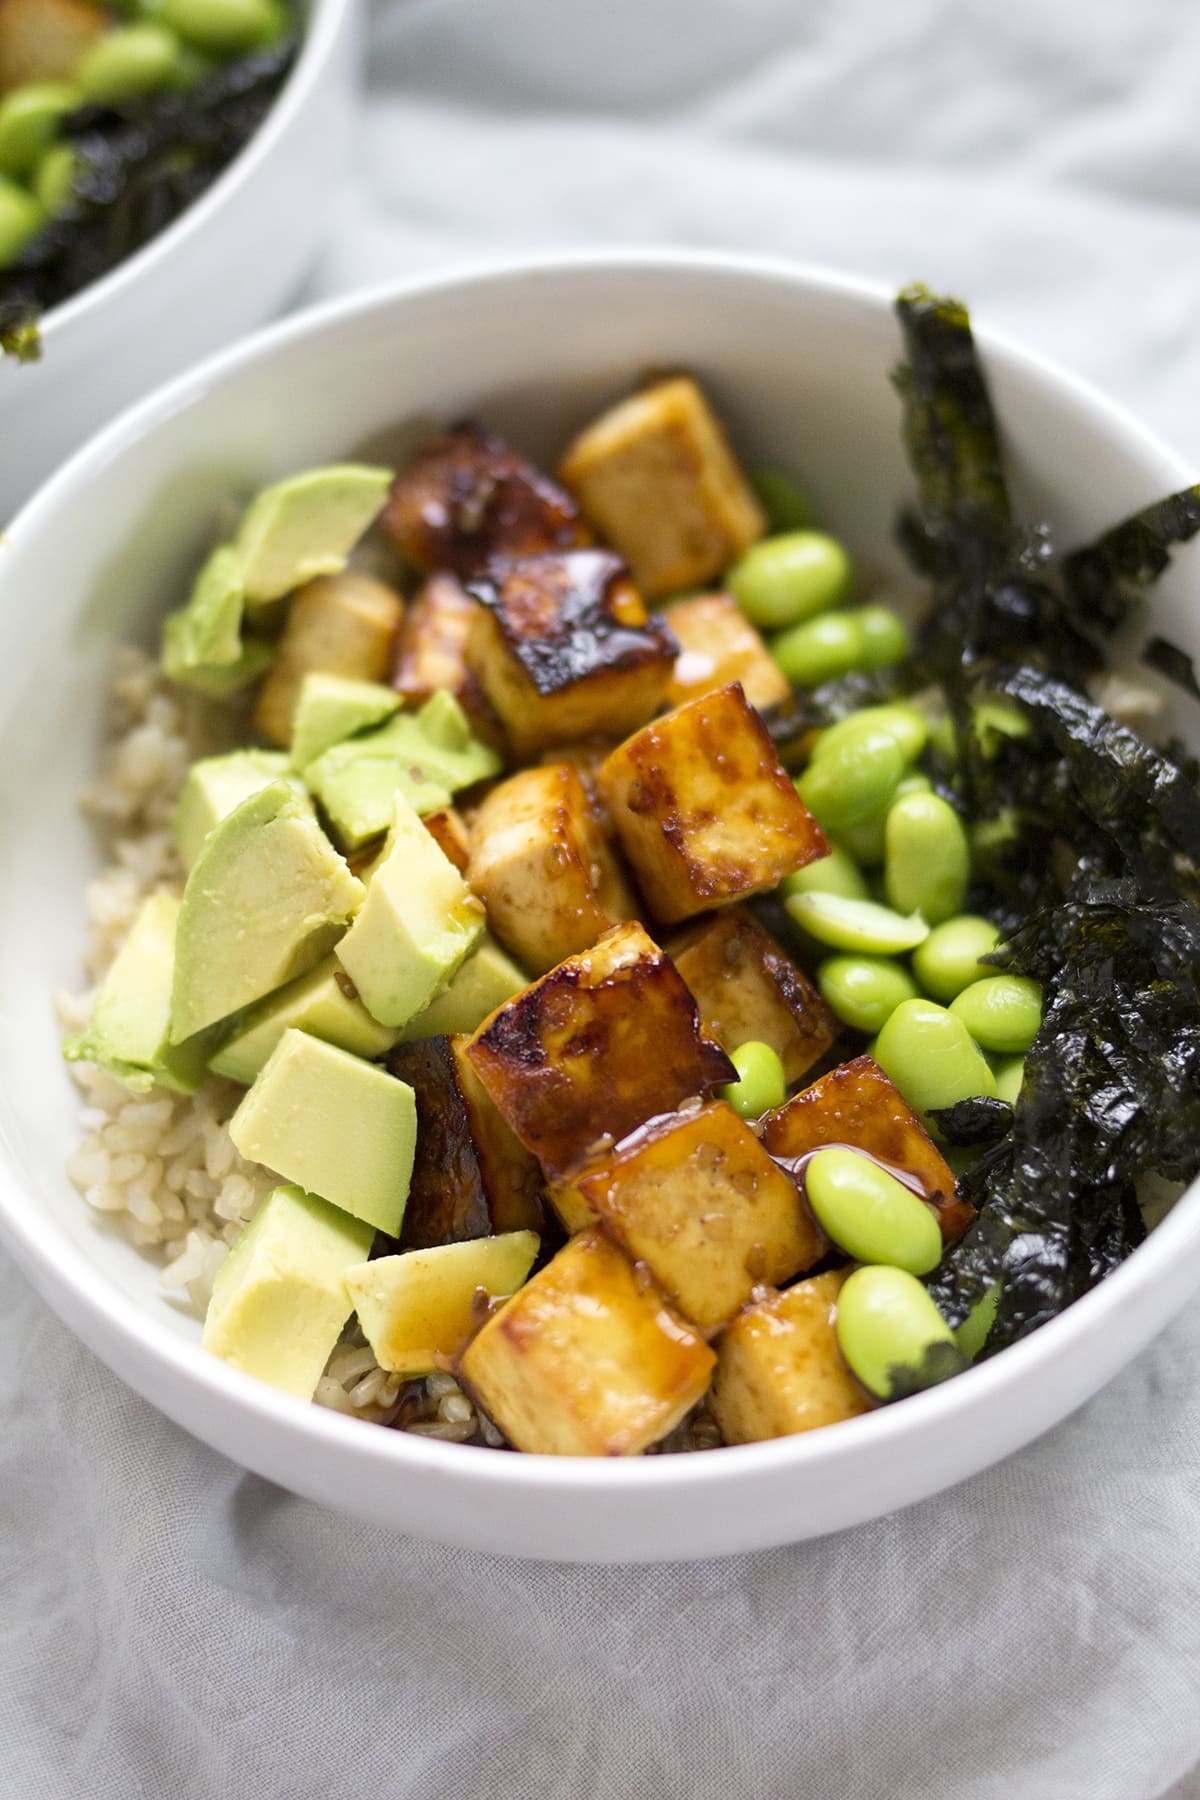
[
  {"x": 656, "y": 477},
  {"x": 705, "y": 810},
  {"x": 588, "y": 1359},
  {"x": 449, "y": 831},
  {"x": 857, "y": 1105},
  {"x": 779, "y": 1369},
  {"x": 44, "y": 40},
  {"x": 431, "y": 653},
  {"x": 697, "y": 1199},
  {"x": 594, "y": 1049},
  {"x": 543, "y": 869},
  {"x": 718, "y": 645},
  {"x": 749, "y": 990},
  {"x": 563, "y": 649},
  {"x": 471, "y": 1178},
  {"x": 467, "y": 498},
  {"x": 341, "y": 624}
]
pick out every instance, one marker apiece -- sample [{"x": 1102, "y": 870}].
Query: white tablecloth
[{"x": 170, "y": 1627}]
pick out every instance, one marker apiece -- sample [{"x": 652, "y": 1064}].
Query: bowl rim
[
  {"x": 475, "y": 1466},
  {"x": 326, "y": 21}
]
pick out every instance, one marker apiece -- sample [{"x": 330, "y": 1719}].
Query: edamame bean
[
  {"x": 854, "y": 779},
  {"x": 864, "y": 991},
  {"x": 837, "y": 873},
  {"x": 990, "y": 838},
  {"x": 867, "y": 840},
  {"x": 221, "y": 27},
  {"x": 949, "y": 959},
  {"x": 994, "y": 721},
  {"x": 870, "y": 1215},
  {"x": 927, "y": 861},
  {"x": 971, "y": 1335},
  {"x": 54, "y": 182},
  {"x": 905, "y": 724},
  {"x": 892, "y": 1335},
  {"x": 760, "y": 1085},
  {"x": 789, "y": 577},
  {"x": 1001, "y": 1012},
  {"x": 787, "y": 506},
  {"x": 857, "y": 925},
  {"x": 1010, "y": 1074},
  {"x": 21, "y": 218},
  {"x": 884, "y": 637},
  {"x": 28, "y": 120},
  {"x": 930, "y": 1055},
  {"x": 820, "y": 650},
  {"x": 128, "y": 64}
]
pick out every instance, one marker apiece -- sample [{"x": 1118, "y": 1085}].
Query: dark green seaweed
[
  {"x": 1167, "y": 659},
  {"x": 980, "y": 1120}
]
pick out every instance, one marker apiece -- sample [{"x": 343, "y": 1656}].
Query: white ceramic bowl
[
  {"x": 224, "y": 266},
  {"x": 798, "y": 361}
]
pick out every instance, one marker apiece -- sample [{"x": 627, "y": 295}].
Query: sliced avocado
[
  {"x": 214, "y": 786},
  {"x": 307, "y": 526},
  {"x": 419, "y": 1308},
  {"x": 266, "y": 899},
  {"x": 202, "y": 645},
  {"x": 341, "y": 1127},
  {"x": 424, "y": 756},
  {"x": 279, "y": 1300},
  {"x": 417, "y": 925},
  {"x": 321, "y": 1003},
  {"x": 486, "y": 980},
  {"x": 334, "y": 707},
  {"x": 128, "y": 1032}
]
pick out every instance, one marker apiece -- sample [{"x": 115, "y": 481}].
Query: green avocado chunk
[
  {"x": 214, "y": 786},
  {"x": 425, "y": 757},
  {"x": 417, "y": 925},
  {"x": 279, "y": 1301},
  {"x": 318, "y": 1003},
  {"x": 266, "y": 899},
  {"x": 202, "y": 643},
  {"x": 341, "y": 1127},
  {"x": 307, "y": 526},
  {"x": 486, "y": 980},
  {"x": 128, "y": 1032},
  {"x": 334, "y": 707}
]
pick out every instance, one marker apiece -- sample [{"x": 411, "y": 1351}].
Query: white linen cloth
[{"x": 171, "y": 1627}]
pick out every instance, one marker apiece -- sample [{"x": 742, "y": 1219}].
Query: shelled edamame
[{"x": 761, "y": 1084}]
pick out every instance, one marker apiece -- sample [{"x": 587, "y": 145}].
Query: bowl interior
[{"x": 798, "y": 367}]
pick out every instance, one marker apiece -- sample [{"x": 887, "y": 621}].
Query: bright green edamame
[
  {"x": 854, "y": 779},
  {"x": 760, "y": 1085},
  {"x": 1001, "y": 1012},
  {"x": 29, "y": 118},
  {"x": 20, "y": 219},
  {"x": 819, "y": 650},
  {"x": 54, "y": 182},
  {"x": 1010, "y": 1075},
  {"x": 864, "y": 991},
  {"x": 927, "y": 861},
  {"x": 783, "y": 579},
  {"x": 972, "y": 1334},
  {"x": 930, "y": 1055},
  {"x": 128, "y": 64},
  {"x": 856, "y": 925},
  {"x": 221, "y": 27},
  {"x": 870, "y": 1215},
  {"x": 901, "y": 722},
  {"x": 867, "y": 841},
  {"x": 994, "y": 721},
  {"x": 837, "y": 873},
  {"x": 949, "y": 959},
  {"x": 884, "y": 636},
  {"x": 892, "y": 1335},
  {"x": 787, "y": 506}
]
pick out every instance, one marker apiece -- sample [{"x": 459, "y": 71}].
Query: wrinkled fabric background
[{"x": 172, "y": 1627}]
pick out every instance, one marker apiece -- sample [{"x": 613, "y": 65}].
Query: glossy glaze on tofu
[
  {"x": 719, "y": 645},
  {"x": 431, "y": 653},
  {"x": 779, "y": 1369}
]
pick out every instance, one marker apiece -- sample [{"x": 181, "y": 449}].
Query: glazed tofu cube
[
  {"x": 657, "y": 479},
  {"x": 448, "y": 829},
  {"x": 749, "y": 990},
  {"x": 418, "y": 1310},
  {"x": 471, "y": 1178},
  {"x": 543, "y": 869},
  {"x": 431, "y": 653},
  {"x": 704, "y": 809},
  {"x": 588, "y": 1359},
  {"x": 779, "y": 1369},
  {"x": 43, "y": 40},
  {"x": 696, "y": 1198},
  {"x": 563, "y": 649},
  {"x": 717, "y": 645},
  {"x": 342, "y": 624},
  {"x": 467, "y": 497},
  {"x": 595, "y": 1048},
  {"x": 857, "y": 1105}
]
